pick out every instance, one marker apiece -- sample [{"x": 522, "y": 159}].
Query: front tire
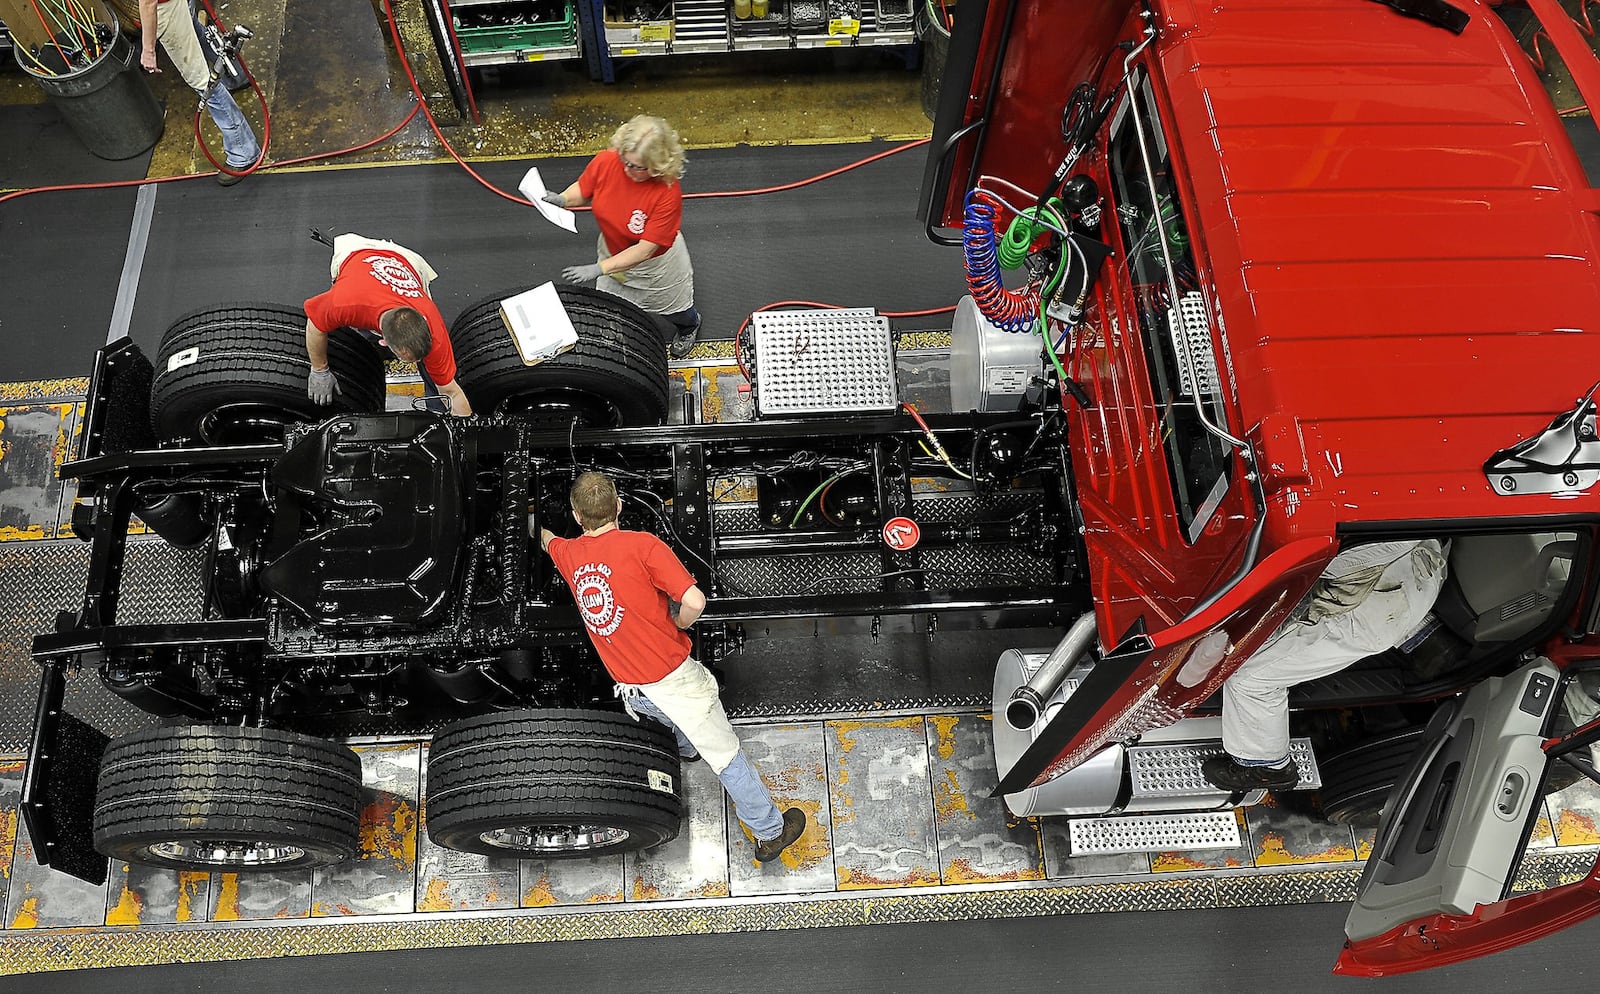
[
  {"x": 225, "y": 798},
  {"x": 237, "y": 375},
  {"x": 615, "y": 377},
  {"x": 548, "y": 784}
]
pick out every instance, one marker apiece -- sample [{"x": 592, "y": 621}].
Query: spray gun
[{"x": 226, "y": 46}]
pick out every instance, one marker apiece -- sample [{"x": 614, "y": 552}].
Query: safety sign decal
[{"x": 901, "y": 534}]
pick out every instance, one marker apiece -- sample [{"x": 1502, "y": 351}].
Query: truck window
[{"x": 1159, "y": 258}]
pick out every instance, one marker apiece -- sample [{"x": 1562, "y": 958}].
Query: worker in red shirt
[
  {"x": 635, "y": 192},
  {"x": 625, "y": 583},
  {"x": 382, "y": 289}
]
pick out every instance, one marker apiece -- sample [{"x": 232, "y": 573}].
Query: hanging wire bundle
[{"x": 77, "y": 38}]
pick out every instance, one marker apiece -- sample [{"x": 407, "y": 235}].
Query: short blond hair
[
  {"x": 594, "y": 498},
  {"x": 655, "y": 144}
]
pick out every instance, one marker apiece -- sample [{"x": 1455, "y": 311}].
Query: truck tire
[
  {"x": 1358, "y": 780},
  {"x": 236, "y": 375},
  {"x": 227, "y": 798},
  {"x": 616, "y": 376},
  {"x": 553, "y": 783}
]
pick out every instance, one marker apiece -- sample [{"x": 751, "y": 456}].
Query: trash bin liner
[{"x": 107, "y": 104}]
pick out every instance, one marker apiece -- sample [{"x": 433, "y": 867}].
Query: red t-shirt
[
  {"x": 376, "y": 280},
  {"x": 628, "y": 212},
  {"x": 622, "y": 581}
]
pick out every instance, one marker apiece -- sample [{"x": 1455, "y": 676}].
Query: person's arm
[
  {"x": 316, "y": 345},
  {"x": 147, "y": 35},
  {"x": 457, "y": 397},
  {"x": 573, "y": 197},
  {"x": 546, "y": 536},
  {"x": 629, "y": 257},
  {"x": 691, "y": 608}
]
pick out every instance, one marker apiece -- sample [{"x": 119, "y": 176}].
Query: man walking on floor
[
  {"x": 171, "y": 22},
  {"x": 625, "y": 583}
]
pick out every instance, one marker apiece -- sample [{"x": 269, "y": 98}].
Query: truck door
[
  {"x": 1154, "y": 679},
  {"x": 1442, "y": 884}
]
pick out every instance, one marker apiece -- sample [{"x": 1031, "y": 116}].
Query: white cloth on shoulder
[{"x": 346, "y": 245}]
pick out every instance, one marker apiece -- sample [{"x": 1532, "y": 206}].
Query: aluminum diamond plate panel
[
  {"x": 159, "y": 584},
  {"x": 1173, "y": 770},
  {"x": 816, "y": 362},
  {"x": 1143, "y": 833}
]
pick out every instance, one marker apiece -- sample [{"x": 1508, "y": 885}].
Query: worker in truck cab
[
  {"x": 626, "y": 583},
  {"x": 1367, "y": 601},
  {"x": 381, "y": 289},
  {"x": 636, "y": 192}
]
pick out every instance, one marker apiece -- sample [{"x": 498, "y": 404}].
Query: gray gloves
[
  {"x": 582, "y": 274},
  {"x": 559, "y": 199},
  {"x": 322, "y": 386}
]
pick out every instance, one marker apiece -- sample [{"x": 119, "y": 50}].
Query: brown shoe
[
  {"x": 228, "y": 179},
  {"x": 794, "y": 825}
]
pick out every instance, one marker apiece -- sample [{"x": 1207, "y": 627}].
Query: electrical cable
[
  {"x": 938, "y": 448},
  {"x": 825, "y": 483}
]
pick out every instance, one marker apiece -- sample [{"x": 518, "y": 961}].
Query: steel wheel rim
[
  {"x": 555, "y": 838},
  {"x": 226, "y": 852}
]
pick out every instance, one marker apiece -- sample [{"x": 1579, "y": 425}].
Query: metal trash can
[{"x": 107, "y": 104}]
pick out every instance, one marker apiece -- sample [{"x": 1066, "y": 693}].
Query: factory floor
[
  {"x": 330, "y": 80},
  {"x": 958, "y": 893}
]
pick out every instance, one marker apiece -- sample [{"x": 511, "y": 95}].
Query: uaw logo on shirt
[
  {"x": 395, "y": 275},
  {"x": 601, "y": 612},
  {"x": 636, "y": 222}
]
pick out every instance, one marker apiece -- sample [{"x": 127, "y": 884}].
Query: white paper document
[
  {"x": 532, "y": 187},
  {"x": 539, "y": 324}
]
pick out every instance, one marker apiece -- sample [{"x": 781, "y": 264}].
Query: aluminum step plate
[
  {"x": 1154, "y": 833},
  {"x": 1174, "y": 770},
  {"x": 823, "y": 362}
]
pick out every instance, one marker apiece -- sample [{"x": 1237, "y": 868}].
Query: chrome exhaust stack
[{"x": 1027, "y": 701}]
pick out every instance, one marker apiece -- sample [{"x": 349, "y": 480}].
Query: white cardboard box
[{"x": 538, "y": 323}]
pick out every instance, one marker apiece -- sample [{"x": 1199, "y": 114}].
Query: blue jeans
[
  {"x": 238, "y": 139},
  {"x": 752, "y": 801}
]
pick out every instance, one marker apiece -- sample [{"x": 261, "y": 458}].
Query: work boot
[
  {"x": 683, "y": 344},
  {"x": 1229, "y": 774},
  {"x": 228, "y": 179},
  {"x": 794, "y": 825}
]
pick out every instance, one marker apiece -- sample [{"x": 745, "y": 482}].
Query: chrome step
[
  {"x": 1153, "y": 833},
  {"x": 1174, "y": 770}
]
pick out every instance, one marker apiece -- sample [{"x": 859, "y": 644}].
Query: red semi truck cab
[{"x": 1313, "y": 277}]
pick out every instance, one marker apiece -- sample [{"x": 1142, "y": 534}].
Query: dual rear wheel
[{"x": 541, "y": 784}]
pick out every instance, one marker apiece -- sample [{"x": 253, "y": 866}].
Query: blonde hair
[
  {"x": 656, "y": 145},
  {"x": 594, "y": 497}
]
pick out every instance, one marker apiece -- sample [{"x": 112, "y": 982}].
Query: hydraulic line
[
  {"x": 261, "y": 98},
  {"x": 1010, "y": 310}
]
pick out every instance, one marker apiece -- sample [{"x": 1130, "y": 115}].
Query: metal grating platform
[
  {"x": 823, "y": 362},
  {"x": 1191, "y": 334},
  {"x": 1174, "y": 770},
  {"x": 1143, "y": 833}
]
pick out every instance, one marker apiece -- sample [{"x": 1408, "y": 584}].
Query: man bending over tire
[
  {"x": 625, "y": 583},
  {"x": 381, "y": 288}
]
